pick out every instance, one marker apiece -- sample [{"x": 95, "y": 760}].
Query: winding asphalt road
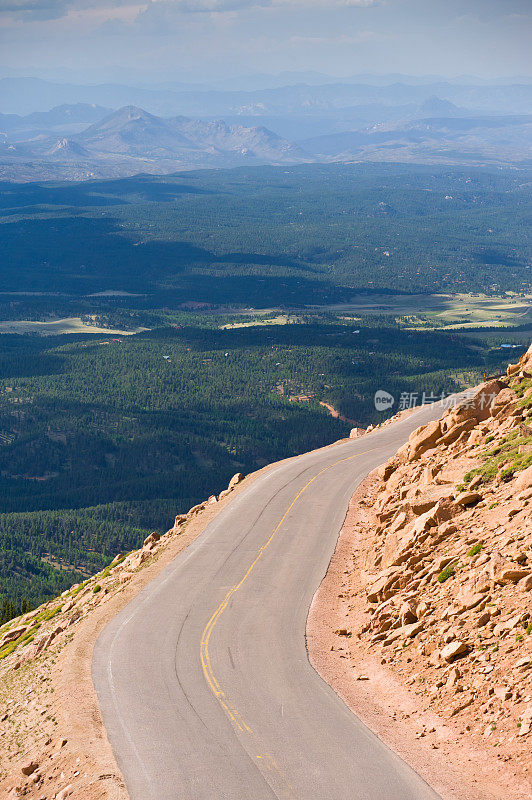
[{"x": 204, "y": 682}]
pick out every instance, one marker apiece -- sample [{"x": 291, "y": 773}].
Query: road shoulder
[
  {"x": 53, "y": 719},
  {"x": 455, "y": 767}
]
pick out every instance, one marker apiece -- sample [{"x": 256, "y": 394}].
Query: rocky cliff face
[{"x": 440, "y": 588}]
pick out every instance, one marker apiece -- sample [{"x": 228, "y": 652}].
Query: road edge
[
  {"x": 383, "y": 703},
  {"x": 77, "y": 702}
]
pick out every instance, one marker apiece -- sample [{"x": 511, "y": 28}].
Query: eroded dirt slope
[
  {"x": 53, "y": 743},
  {"x": 426, "y": 613}
]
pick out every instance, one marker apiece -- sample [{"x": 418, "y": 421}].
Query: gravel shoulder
[{"x": 422, "y": 622}]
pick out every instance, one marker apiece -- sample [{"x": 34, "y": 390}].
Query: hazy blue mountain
[
  {"x": 65, "y": 118},
  {"x": 255, "y": 141},
  {"x": 131, "y": 131},
  {"x": 436, "y": 107},
  {"x": 26, "y": 95},
  {"x": 482, "y": 139},
  {"x": 66, "y": 148},
  {"x": 131, "y": 140},
  {"x": 415, "y": 122}
]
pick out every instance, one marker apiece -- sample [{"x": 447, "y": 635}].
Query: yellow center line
[{"x": 233, "y": 714}]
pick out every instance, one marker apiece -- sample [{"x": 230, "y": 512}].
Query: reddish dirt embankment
[
  {"x": 336, "y": 414},
  {"x": 423, "y": 624}
]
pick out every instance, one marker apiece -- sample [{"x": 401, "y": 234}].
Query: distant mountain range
[
  {"x": 88, "y": 140},
  {"x": 131, "y": 140},
  {"x": 64, "y": 116},
  {"x": 482, "y": 140},
  {"x": 26, "y": 95},
  {"x": 133, "y": 132}
]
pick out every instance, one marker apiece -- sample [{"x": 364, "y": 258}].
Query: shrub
[
  {"x": 475, "y": 550},
  {"x": 7, "y": 650},
  {"x": 446, "y": 573}
]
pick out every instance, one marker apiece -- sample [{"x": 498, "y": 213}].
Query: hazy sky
[{"x": 206, "y": 39}]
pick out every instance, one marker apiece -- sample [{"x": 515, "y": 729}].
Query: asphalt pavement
[{"x": 204, "y": 681}]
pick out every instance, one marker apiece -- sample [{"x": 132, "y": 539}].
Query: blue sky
[{"x": 208, "y": 39}]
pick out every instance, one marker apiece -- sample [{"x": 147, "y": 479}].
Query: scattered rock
[
  {"x": 423, "y": 439},
  {"x": 526, "y": 722},
  {"x": 60, "y": 743},
  {"x": 524, "y": 480},
  {"x": 468, "y": 498},
  {"x": 454, "y": 650},
  {"x": 525, "y": 584},
  {"x": 502, "y": 692},
  {"x": 13, "y": 635},
  {"x": 153, "y": 538},
  {"x": 453, "y": 677},
  {"x": 235, "y": 480}
]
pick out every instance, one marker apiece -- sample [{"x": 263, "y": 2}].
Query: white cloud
[
  {"x": 35, "y": 9},
  {"x": 221, "y": 6},
  {"x": 344, "y": 39},
  {"x": 329, "y": 3},
  {"x": 208, "y": 6},
  {"x": 54, "y": 9}
]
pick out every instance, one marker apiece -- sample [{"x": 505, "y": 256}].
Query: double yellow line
[{"x": 233, "y": 714}]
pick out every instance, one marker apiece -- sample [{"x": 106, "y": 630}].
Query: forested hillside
[
  {"x": 104, "y": 438},
  {"x": 270, "y": 236}
]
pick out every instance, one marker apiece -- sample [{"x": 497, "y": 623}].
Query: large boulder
[
  {"x": 235, "y": 480},
  {"x": 454, "y": 650},
  {"x": 12, "y": 635},
  {"x": 423, "y": 439},
  {"x": 476, "y": 407},
  {"x": 399, "y": 545},
  {"x": 467, "y": 598},
  {"x": 386, "y": 470},
  {"x": 381, "y": 588},
  {"x": 482, "y": 400},
  {"x": 468, "y": 498},
  {"x": 462, "y": 412},
  {"x": 503, "y": 404},
  {"x": 454, "y": 432},
  {"x": 505, "y": 572},
  {"x": 524, "y": 480},
  {"x": 151, "y": 540},
  {"x": 427, "y": 499}
]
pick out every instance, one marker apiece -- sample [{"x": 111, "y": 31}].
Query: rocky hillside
[
  {"x": 52, "y": 741},
  {"x": 439, "y": 589}
]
